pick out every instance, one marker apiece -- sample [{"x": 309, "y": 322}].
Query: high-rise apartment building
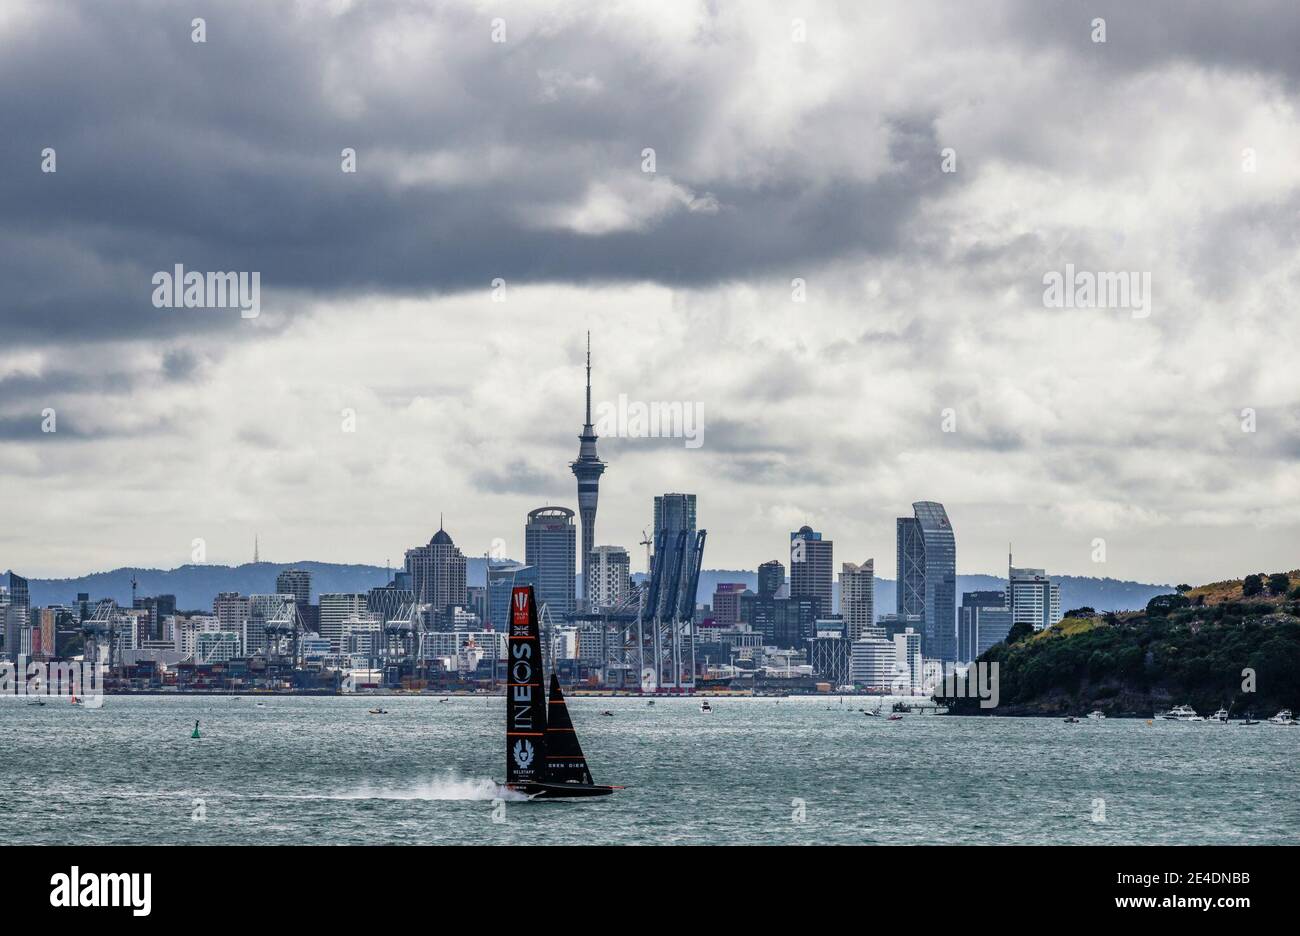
[
  {"x": 857, "y": 597},
  {"x": 610, "y": 568},
  {"x": 296, "y": 582},
  {"x": 231, "y": 609}
]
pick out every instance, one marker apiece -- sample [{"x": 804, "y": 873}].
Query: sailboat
[{"x": 543, "y": 757}]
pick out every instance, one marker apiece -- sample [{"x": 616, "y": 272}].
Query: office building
[
  {"x": 262, "y": 608},
  {"x": 502, "y": 578},
  {"x": 15, "y": 608},
  {"x": 388, "y": 602},
  {"x": 1033, "y": 598},
  {"x": 550, "y": 546},
  {"x": 812, "y": 567},
  {"x": 726, "y": 603},
  {"x": 872, "y": 663},
  {"x": 335, "y": 609},
  {"x": 216, "y": 647},
  {"x": 771, "y": 576},
  {"x": 437, "y": 573},
  {"x": 907, "y": 659},
  {"x": 984, "y": 619},
  {"x": 927, "y": 578},
  {"x": 674, "y": 512},
  {"x": 794, "y": 620}
]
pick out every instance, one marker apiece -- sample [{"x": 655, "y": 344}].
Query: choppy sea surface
[{"x": 297, "y": 770}]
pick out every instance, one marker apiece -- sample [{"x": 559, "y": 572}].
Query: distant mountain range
[{"x": 195, "y": 585}]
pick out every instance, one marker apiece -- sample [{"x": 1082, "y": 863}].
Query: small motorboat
[
  {"x": 894, "y": 717},
  {"x": 36, "y": 702},
  {"x": 1250, "y": 719},
  {"x": 378, "y": 711},
  {"x": 705, "y": 706},
  {"x": 440, "y": 701},
  {"x": 1221, "y": 715},
  {"x": 1283, "y": 717},
  {"x": 1096, "y": 715},
  {"x": 651, "y": 702},
  {"x": 870, "y": 713},
  {"x": 1071, "y": 720}
]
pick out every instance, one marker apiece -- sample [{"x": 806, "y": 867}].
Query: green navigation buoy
[{"x": 195, "y": 733}]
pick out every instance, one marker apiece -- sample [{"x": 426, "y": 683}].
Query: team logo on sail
[
  {"x": 521, "y": 600},
  {"x": 523, "y": 753}
]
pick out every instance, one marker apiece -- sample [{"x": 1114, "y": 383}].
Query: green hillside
[{"x": 1191, "y": 648}]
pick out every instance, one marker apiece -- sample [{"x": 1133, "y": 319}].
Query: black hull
[{"x": 560, "y": 790}]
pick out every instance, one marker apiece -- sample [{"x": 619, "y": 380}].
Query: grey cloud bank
[{"x": 775, "y": 160}]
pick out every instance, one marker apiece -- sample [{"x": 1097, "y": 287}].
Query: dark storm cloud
[{"x": 225, "y": 156}]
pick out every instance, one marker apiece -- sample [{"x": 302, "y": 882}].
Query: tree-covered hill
[{"x": 1231, "y": 644}]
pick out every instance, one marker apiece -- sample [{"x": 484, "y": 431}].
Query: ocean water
[{"x": 755, "y": 771}]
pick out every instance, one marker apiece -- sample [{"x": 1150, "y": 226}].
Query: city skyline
[{"x": 740, "y": 226}]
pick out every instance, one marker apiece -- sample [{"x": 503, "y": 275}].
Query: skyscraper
[
  {"x": 927, "y": 578},
  {"x": 502, "y": 578},
  {"x": 336, "y": 608},
  {"x": 983, "y": 620},
  {"x": 1032, "y": 597},
  {"x": 587, "y": 469},
  {"x": 726, "y": 603},
  {"x": 857, "y": 597},
  {"x": 437, "y": 574},
  {"x": 159, "y": 607},
  {"x": 812, "y": 570},
  {"x": 14, "y": 611},
  {"x": 550, "y": 547},
  {"x": 771, "y": 576},
  {"x": 611, "y": 580},
  {"x": 674, "y": 512},
  {"x": 296, "y": 582}
]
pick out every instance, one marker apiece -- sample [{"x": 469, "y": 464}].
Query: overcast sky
[{"x": 775, "y": 159}]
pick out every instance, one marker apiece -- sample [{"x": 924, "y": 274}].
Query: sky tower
[{"x": 587, "y": 469}]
